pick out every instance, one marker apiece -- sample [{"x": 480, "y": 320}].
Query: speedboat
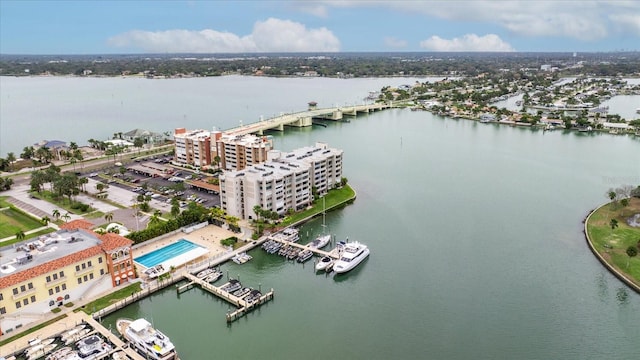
[
  {"x": 77, "y": 336},
  {"x": 204, "y": 273},
  {"x": 304, "y": 255},
  {"x": 241, "y": 258},
  {"x": 72, "y": 332},
  {"x": 213, "y": 277},
  {"x": 324, "y": 263},
  {"x": 242, "y": 292},
  {"x": 320, "y": 242},
  {"x": 41, "y": 351},
  {"x": 232, "y": 286},
  {"x": 352, "y": 255},
  {"x": 60, "y": 354},
  {"x": 254, "y": 295},
  {"x": 151, "y": 342},
  {"x": 92, "y": 347}
]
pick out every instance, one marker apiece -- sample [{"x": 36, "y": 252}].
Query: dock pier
[{"x": 242, "y": 306}]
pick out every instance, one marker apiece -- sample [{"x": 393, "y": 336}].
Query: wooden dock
[
  {"x": 333, "y": 253},
  {"x": 242, "y": 306}
]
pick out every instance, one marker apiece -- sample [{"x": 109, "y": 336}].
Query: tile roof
[
  {"x": 111, "y": 241},
  {"x": 58, "y": 263},
  {"x": 77, "y": 224}
]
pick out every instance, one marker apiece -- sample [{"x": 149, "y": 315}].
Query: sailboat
[{"x": 323, "y": 239}]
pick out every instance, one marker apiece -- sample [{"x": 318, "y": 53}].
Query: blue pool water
[{"x": 165, "y": 253}]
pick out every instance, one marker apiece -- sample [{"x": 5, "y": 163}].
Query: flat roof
[{"x": 43, "y": 249}]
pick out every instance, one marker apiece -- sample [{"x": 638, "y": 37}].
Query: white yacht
[
  {"x": 151, "y": 342},
  {"x": 352, "y": 254}
]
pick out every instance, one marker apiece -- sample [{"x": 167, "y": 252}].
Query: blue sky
[{"x": 103, "y": 27}]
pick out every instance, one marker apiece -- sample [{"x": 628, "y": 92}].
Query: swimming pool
[{"x": 174, "y": 254}]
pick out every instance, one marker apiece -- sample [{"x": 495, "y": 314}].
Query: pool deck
[{"x": 208, "y": 237}]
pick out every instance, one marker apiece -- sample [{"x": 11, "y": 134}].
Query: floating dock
[{"x": 242, "y": 306}]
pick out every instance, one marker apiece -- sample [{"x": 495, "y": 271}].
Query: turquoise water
[{"x": 165, "y": 253}]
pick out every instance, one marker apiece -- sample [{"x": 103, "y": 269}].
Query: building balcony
[
  {"x": 25, "y": 293},
  {"x": 55, "y": 282},
  {"x": 84, "y": 271}
]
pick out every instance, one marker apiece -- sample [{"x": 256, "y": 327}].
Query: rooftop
[{"x": 56, "y": 249}]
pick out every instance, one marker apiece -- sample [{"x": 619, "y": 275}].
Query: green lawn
[
  {"x": 335, "y": 198},
  {"x": 114, "y": 297},
  {"x": 63, "y": 202},
  {"x": 13, "y": 220},
  {"x": 613, "y": 243}
]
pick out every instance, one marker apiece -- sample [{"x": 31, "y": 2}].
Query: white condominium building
[
  {"x": 240, "y": 151},
  {"x": 284, "y": 182}
]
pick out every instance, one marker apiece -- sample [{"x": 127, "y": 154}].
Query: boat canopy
[{"x": 139, "y": 325}]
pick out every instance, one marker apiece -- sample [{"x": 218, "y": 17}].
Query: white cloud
[
  {"x": 271, "y": 35},
  {"x": 584, "y": 20},
  {"x": 394, "y": 43},
  {"x": 469, "y": 42},
  {"x": 627, "y": 23}
]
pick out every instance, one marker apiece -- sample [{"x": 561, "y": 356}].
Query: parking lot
[{"x": 161, "y": 189}]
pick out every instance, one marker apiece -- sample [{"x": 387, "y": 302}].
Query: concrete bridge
[{"x": 305, "y": 118}]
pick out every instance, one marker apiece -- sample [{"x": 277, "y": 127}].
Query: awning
[
  {"x": 124, "y": 276},
  {"x": 130, "y": 273},
  {"x": 117, "y": 278},
  {"x": 59, "y": 298}
]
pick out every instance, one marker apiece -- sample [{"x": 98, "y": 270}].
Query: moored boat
[
  {"x": 304, "y": 255},
  {"x": 320, "y": 242},
  {"x": 352, "y": 255},
  {"x": 92, "y": 347},
  {"x": 231, "y": 286},
  {"x": 42, "y": 351},
  {"x": 324, "y": 263},
  {"x": 204, "y": 273},
  {"x": 152, "y": 343},
  {"x": 77, "y": 336},
  {"x": 215, "y": 276},
  {"x": 242, "y": 292}
]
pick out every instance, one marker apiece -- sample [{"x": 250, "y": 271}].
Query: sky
[{"x": 126, "y": 27}]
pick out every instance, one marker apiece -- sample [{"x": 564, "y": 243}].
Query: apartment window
[
  {"x": 55, "y": 276},
  {"x": 77, "y": 267},
  {"x": 33, "y": 298},
  {"x": 101, "y": 271},
  {"x": 100, "y": 260},
  {"x": 23, "y": 288},
  {"x": 18, "y": 305},
  {"x": 48, "y": 278},
  {"x": 85, "y": 278},
  {"x": 79, "y": 280},
  {"x": 1, "y": 297},
  {"x": 89, "y": 263},
  {"x": 25, "y": 302},
  {"x": 57, "y": 289},
  {"x": 3, "y": 310},
  {"x": 50, "y": 291},
  {"x": 61, "y": 274},
  {"x": 91, "y": 276},
  {"x": 30, "y": 286},
  {"x": 64, "y": 286},
  {"x": 84, "y": 265}
]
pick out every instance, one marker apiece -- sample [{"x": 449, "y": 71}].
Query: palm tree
[
  {"x": 11, "y": 157},
  {"x": 20, "y": 235},
  {"x": 66, "y": 217},
  {"x": 614, "y": 224},
  {"x": 45, "y": 220},
  {"x": 108, "y": 216},
  {"x": 56, "y": 214}
]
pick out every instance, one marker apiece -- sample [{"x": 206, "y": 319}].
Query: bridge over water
[{"x": 305, "y": 118}]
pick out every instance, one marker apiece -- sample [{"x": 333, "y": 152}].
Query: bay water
[{"x": 475, "y": 230}]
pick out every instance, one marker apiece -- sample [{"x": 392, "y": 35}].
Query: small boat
[
  {"x": 241, "y": 258},
  {"x": 215, "y": 276},
  {"x": 41, "y": 352},
  {"x": 72, "y": 332},
  {"x": 253, "y": 296},
  {"x": 151, "y": 342},
  {"x": 352, "y": 255},
  {"x": 242, "y": 292},
  {"x": 92, "y": 347},
  {"x": 77, "y": 336},
  {"x": 324, "y": 263},
  {"x": 304, "y": 255},
  {"x": 232, "y": 286},
  {"x": 204, "y": 273},
  {"x": 320, "y": 242},
  {"x": 39, "y": 345},
  {"x": 60, "y": 354}
]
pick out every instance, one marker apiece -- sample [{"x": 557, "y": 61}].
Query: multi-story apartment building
[
  {"x": 195, "y": 147},
  {"x": 240, "y": 151},
  {"x": 282, "y": 183},
  {"x": 40, "y": 274},
  {"x": 325, "y": 163}
]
